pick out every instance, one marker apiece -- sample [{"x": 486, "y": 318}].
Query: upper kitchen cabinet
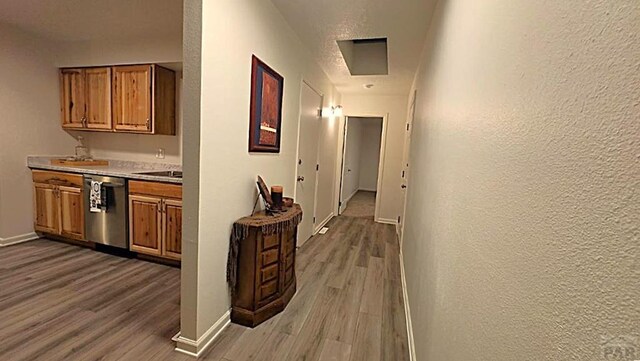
[
  {"x": 86, "y": 98},
  {"x": 128, "y": 98},
  {"x": 144, "y": 99}
]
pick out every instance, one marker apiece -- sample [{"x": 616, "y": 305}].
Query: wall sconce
[{"x": 332, "y": 112}]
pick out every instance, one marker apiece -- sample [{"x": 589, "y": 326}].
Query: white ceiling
[
  {"x": 79, "y": 20},
  {"x": 320, "y": 23}
]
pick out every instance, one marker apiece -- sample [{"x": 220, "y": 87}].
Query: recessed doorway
[{"x": 361, "y": 167}]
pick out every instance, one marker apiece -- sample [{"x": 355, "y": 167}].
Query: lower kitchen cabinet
[
  {"x": 58, "y": 204},
  {"x": 155, "y": 219}
]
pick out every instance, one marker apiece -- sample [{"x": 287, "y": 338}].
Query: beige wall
[
  {"x": 30, "y": 122},
  {"x": 521, "y": 238},
  {"x": 167, "y": 49},
  {"x": 394, "y": 107},
  {"x": 232, "y": 31}
]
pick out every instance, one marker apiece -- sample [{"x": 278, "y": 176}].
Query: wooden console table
[{"x": 261, "y": 265}]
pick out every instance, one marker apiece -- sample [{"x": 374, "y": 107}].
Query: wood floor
[
  {"x": 362, "y": 204},
  {"x": 61, "y": 302}
]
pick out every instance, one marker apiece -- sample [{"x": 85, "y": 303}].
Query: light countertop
[{"x": 116, "y": 168}]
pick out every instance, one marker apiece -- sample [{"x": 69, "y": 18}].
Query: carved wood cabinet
[{"x": 266, "y": 279}]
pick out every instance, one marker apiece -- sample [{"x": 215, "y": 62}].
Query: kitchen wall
[
  {"x": 370, "y": 153},
  {"x": 394, "y": 107},
  {"x": 521, "y": 236},
  {"x": 166, "y": 51},
  {"x": 30, "y": 121},
  {"x": 219, "y": 84}
]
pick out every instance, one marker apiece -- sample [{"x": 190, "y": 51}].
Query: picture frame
[{"x": 265, "y": 119}]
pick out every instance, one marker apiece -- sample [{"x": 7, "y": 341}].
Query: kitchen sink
[{"x": 164, "y": 173}]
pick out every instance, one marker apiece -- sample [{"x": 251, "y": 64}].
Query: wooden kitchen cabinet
[
  {"x": 145, "y": 220},
  {"x": 144, "y": 99},
  {"x": 59, "y": 204},
  {"x": 126, "y": 98},
  {"x": 98, "y": 98},
  {"x": 72, "y": 98},
  {"x": 86, "y": 98},
  {"x": 46, "y": 208},
  {"x": 155, "y": 219}
]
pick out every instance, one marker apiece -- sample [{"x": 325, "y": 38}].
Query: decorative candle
[{"x": 276, "y": 195}]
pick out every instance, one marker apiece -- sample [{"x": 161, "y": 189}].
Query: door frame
[
  {"x": 303, "y": 83},
  {"x": 383, "y": 142},
  {"x": 407, "y": 150}
]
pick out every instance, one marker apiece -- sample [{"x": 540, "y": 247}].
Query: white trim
[
  {"x": 18, "y": 239},
  {"x": 344, "y": 203},
  {"x": 196, "y": 348},
  {"x": 321, "y": 224},
  {"x": 368, "y": 189},
  {"x": 407, "y": 311},
  {"x": 387, "y": 221},
  {"x": 383, "y": 145}
]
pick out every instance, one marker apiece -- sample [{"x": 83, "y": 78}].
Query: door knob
[
  {"x": 300, "y": 178},
  {"x": 403, "y": 186}
]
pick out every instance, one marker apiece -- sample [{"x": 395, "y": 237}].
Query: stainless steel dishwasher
[{"x": 108, "y": 227}]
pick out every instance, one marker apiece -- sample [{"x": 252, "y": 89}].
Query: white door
[
  {"x": 405, "y": 165},
  {"x": 306, "y": 177}
]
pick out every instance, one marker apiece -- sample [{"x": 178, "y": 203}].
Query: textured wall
[{"x": 521, "y": 241}]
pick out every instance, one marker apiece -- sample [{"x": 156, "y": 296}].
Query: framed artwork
[{"x": 265, "y": 119}]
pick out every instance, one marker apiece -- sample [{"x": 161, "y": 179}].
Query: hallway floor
[
  {"x": 362, "y": 204},
  {"x": 348, "y": 305},
  {"x": 72, "y": 303}
]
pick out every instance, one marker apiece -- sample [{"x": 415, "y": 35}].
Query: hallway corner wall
[{"x": 521, "y": 234}]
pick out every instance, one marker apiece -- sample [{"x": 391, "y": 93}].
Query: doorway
[
  {"x": 361, "y": 167},
  {"x": 307, "y": 166}
]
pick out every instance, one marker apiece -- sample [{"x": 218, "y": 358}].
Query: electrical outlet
[{"x": 160, "y": 153}]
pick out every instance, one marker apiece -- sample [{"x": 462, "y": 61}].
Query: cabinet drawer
[
  {"x": 269, "y": 257},
  {"x": 157, "y": 189},
  {"x": 268, "y": 289},
  {"x": 269, "y": 241},
  {"x": 269, "y": 273},
  {"x": 57, "y": 178}
]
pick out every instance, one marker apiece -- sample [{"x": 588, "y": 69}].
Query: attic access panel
[{"x": 365, "y": 56}]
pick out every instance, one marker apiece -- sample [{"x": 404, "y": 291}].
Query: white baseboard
[
  {"x": 18, "y": 239},
  {"x": 368, "y": 189},
  {"x": 321, "y": 224},
  {"x": 196, "y": 348},
  {"x": 387, "y": 221},
  {"x": 407, "y": 311}
]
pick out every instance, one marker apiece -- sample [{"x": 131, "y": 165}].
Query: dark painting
[{"x": 266, "y": 108}]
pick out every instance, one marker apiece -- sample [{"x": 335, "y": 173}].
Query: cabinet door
[
  {"x": 145, "y": 224},
  {"x": 132, "y": 98},
  {"x": 98, "y": 98},
  {"x": 45, "y": 218},
  {"x": 72, "y": 100},
  {"x": 172, "y": 234},
  {"x": 71, "y": 213}
]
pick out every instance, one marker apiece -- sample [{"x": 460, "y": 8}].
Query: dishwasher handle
[{"x": 106, "y": 184}]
